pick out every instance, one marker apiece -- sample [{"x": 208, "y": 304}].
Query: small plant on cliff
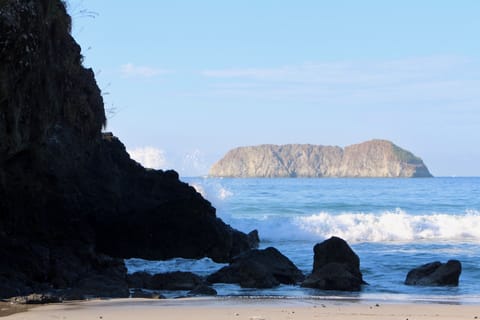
[{"x": 78, "y": 11}]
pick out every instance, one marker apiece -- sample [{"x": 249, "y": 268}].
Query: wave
[
  {"x": 389, "y": 226},
  {"x": 216, "y": 192}
]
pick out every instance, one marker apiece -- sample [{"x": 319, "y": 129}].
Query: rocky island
[{"x": 375, "y": 158}]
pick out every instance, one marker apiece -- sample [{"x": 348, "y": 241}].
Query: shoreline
[{"x": 248, "y": 308}]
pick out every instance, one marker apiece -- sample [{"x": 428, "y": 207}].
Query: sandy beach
[{"x": 247, "y": 309}]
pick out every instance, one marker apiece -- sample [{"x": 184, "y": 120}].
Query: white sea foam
[
  {"x": 388, "y": 226},
  {"x": 199, "y": 188},
  {"x": 224, "y": 193},
  {"x": 149, "y": 157},
  {"x": 392, "y": 226},
  {"x": 213, "y": 191}
]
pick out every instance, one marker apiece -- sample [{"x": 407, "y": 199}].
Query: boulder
[
  {"x": 335, "y": 267},
  {"x": 139, "y": 279},
  {"x": 253, "y": 239},
  {"x": 202, "y": 290},
  {"x": 435, "y": 274},
  {"x": 334, "y": 250},
  {"x": 248, "y": 274},
  {"x": 265, "y": 268},
  {"x": 177, "y": 280},
  {"x": 333, "y": 276},
  {"x": 142, "y": 294}
]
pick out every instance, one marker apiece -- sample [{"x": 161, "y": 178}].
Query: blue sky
[{"x": 189, "y": 80}]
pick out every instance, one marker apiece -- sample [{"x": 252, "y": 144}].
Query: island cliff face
[
  {"x": 72, "y": 202},
  {"x": 376, "y": 158}
]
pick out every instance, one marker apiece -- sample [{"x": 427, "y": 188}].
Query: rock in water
[
  {"x": 435, "y": 274},
  {"x": 335, "y": 267},
  {"x": 376, "y": 158},
  {"x": 202, "y": 290},
  {"x": 253, "y": 239},
  {"x": 73, "y": 203},
  {"x": 335, "y": 250},
  {"x": 265, "y": 268},
  {"x": 139, "y": 293},
  {"x": 177, "y": 280}
]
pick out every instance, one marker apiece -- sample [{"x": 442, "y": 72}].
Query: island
[{"x": 371, "y": 159}]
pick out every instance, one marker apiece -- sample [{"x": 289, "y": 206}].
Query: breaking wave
[
  {"x": 215, "y": 192},
  {"x": 389, "y": 226}
]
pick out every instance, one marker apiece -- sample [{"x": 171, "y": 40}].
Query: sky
[{"x": 185, "y": 81}]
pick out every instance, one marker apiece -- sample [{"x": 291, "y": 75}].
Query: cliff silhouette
[{"x": 73, "y": 204}]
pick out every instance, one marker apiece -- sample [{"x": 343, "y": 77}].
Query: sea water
[{"x": 392, "y": 224}]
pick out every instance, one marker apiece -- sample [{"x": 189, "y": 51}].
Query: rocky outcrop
[
  {"x": 172, "y": 281},
  {"x": 376, "y": 158},
  {"x": 335, "y": 267},
  {"x": 36, "y": 298},
  {"x": 435, "y": 274},
  {"x": 143, "y": 294},
  {"x": 177, "y": 280},
  {"x": 265, "y": 268},
  {"x": 202, "y": 290},
  {"x": 253, "y": 239},
  {"x": 73, "y": 203}
]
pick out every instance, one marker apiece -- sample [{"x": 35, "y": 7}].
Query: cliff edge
[
  {"x": 375, "y": 158},
  {"x": 72, "y": 202}
]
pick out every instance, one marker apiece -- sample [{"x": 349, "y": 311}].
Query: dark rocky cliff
[
  {"x": 72, "y": 202},
  {"x": 375, "y": 158}
]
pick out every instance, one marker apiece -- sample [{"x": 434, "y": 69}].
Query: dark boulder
[
  {"x": 259, "y": 269},
  {"x": 140, "y": 279},
  {"x": 334, "y": 250},
  {"x": 143, "y": 294},
  {"x": 253, "y": 239},
  {"x": 248, "y": 274},
  {"x": 202, "y": 290},
  {"x": 333, "y": 276},
  {"x": 335, "y": 267},
  {"x": 435, "y": 274},
  {"x": 177, "y": 280}
]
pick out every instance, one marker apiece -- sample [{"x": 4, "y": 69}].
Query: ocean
[{"x": 392, "y": 224}]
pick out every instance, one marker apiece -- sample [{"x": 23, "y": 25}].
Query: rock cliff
[
  {"x": 375, "y": 158},
  {"x": 72, "y": 202}
]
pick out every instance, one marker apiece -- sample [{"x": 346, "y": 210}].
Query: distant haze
[{"x": 194, "y": 79}]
